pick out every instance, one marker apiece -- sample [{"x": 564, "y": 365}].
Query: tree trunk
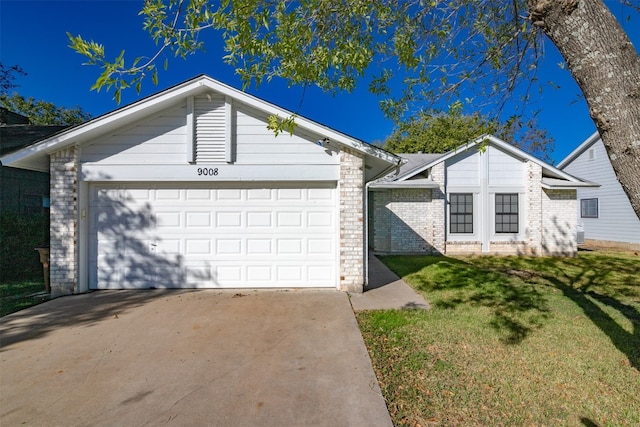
[{"x": 606, "y": 66}]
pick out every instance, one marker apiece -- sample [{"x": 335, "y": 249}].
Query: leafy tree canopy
[
  {"x": 440, "y": 132},
  {"x": 42, "y": 112},
  {"x": 436, "y": 49},
  {"x": 433, "y": 48}
]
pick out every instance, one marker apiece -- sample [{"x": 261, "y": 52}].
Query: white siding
[
  {"x": 504, "y": 169},
  {"x": 258, "y": 145},
  {"x": 616, "y": 222},
  {"x": 159, "y": 139},
  {"x": 463, "y": 169},
  {"x": 163, "y": 139}
]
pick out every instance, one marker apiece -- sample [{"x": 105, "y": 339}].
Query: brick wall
[
  {"x": 351, "y": 221},
  {"x": 402, "y": 221},
  {"x": 63, "y": 211},
  {"x": 381, "y": 221},
  {"x": 559, "y": 221}
]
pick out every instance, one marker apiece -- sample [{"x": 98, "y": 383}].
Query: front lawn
[{"x": 512, "y": 341}]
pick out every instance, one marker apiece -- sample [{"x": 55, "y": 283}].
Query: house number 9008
[{"x": 208, "y": 171}]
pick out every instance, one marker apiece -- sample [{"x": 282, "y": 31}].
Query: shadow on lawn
[
  {"x": 517, "y": 307},
  {"x": 597, "y": 283},
  {"x": 510, "y": 287}
]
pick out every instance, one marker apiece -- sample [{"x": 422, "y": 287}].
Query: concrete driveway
[{"x": 201, "y": 358}]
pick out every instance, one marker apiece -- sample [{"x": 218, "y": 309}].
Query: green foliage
[
  {"x": 278, "y": 125},
  {"x": 435, "y": 49},
  {"x": 19, "y": 235},
  {"x": 440, "y": 132},
  {"x": 42, "y": 112}
]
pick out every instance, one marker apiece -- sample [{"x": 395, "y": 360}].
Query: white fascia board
[{"x": 579, "y": 150}]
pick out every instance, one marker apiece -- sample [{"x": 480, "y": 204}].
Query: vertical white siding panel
[
  {"x": 190, "y": 140},
  {"x": 229, "y": 131},
  {"x": 504, "y": 169}
]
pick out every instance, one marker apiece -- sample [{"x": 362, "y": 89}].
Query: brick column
[
  {"x": 351, "y": 188},
  {"x": 534, "y": 211},
  {"x": 559, "y": 222},
  {"x": 63, "y": 214},
  {"x": 438, "y": 210}
]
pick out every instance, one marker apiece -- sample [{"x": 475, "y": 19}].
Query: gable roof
[
  {"x": 579, "y": 150},
  {"x": 36, "y": 156},
  {"x": 551, "y": 176}
]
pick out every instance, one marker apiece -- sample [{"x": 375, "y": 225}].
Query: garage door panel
[
  {"x": 234, "y": 194},
  {"x": 259, "y": 247},
  {"x": 194, "y": 219},
  {"x": 229, "y": 219},
  {"x": 262, "y": 194},
  {"x": 198, "y": 247},
  {"x": 320, "y": 247},
  {"x": 289, "y": 219},
  {"x": 256, "y": 219},
  {"x": 228, "y": 246},
  {"x": 162, "y": 235}
]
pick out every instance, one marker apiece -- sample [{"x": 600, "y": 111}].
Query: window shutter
[{"x": 210, "y": 129}]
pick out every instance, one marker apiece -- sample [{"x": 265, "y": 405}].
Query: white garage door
[{"x": 175, "y": 236}]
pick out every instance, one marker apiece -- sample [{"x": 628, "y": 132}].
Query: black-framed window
[
  {"x": 507, "y": 213},
  {"x": 589, "y": 208},
  {"x": 461, "y": 213}
]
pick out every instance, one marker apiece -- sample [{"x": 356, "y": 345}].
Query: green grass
[
  {"x": 512, "y": 341},
  {"x": 20, "y": 295}
]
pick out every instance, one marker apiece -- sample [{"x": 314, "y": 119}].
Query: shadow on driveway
[{"x": 205, "y": 357}]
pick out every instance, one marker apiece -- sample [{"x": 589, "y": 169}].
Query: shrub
[{"x": 19, "y": 235}]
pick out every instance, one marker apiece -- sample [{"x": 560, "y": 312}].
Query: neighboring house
[
  {"x": 485, "y": 197},
  {"x": 604, "y": 213},
  {"x": 24, "y": 192},
  {"x": 188, "y": 188}
]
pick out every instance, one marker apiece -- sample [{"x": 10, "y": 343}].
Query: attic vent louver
[{"x": 210, "y": 128}]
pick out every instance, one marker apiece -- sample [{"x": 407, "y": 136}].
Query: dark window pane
[
  {"x": 461, "y": 213},
  {"x": 506, "y": 211}
]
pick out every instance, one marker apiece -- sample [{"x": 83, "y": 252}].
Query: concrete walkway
[
  {"x": 188, "y": 358},
  {"x": 386, "y": 290}
]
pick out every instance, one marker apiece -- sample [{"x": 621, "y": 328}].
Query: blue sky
[{"x": 33, "y": 35}]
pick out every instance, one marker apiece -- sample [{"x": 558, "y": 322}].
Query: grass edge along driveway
[{"x": 512, "y": 341}]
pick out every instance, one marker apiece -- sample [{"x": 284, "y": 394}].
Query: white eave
[
  {"x": 413, "y": 183},
  {"x": 579, "y": 150},
  {"x": 36, "y": 157},
  {"x": 561, "y": 184}
]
